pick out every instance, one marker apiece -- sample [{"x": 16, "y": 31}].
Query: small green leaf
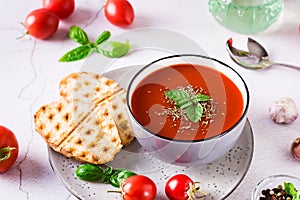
[
  {"x": 89, "y": 172},
  {"x": 194, "y": 112},
  {"x": 297, "y": 195},
  {"x": 178, "y": 96},
  {"x": 185, "y": 105},
  {"x": 108, "y": 170},
  {"x": 120, "y": 175},
  {"x": 78, "y": 35},
  {"x": 105, "y": 35},
  {"x": 190, "y": 104},
  {"x": 202, "y": 97},
  {"x": 291, "y": 190},
  {"x": 107, "y": 173},
  {"x": 114, "y": 49},
  {"x": 76, "y": 54}
]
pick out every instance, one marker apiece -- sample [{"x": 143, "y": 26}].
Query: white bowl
[{"x": 194, "y": 152}]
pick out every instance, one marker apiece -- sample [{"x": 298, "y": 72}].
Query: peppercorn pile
[{"x": 275, "y": 194}]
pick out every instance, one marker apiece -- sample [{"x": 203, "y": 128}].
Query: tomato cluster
[
  {"x": 178, "y": 187},
  {"x": 43, "y": 23}
]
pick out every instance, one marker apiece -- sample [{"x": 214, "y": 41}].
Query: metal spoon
[{"x": 256, "y": 58}]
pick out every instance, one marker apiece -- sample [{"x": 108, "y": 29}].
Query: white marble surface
[{"x": 30, "y": 72}]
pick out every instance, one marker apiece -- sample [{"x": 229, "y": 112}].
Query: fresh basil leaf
[
  {"x": 76, "y": 54},
  {"x": 291, "y": 190},
  {"x": 78, "y": 35},
  {"x": 182, "y": 102},
  {"x": 89, "y": 172},
  {"x": 108, "y": 170},
  {"x": 297, "y": 195},
  {"x": 202, "y": 97},
  {"x": 177, "y": 96},
  {"x": 107, "y": 173},
  {"x": 194, "y": 112},
  {"x": 114, "y": 49},
  {"x": 105, "y": 35},
  {"x": 118, "y": 176},
  {"x": 185, "y": 105}
]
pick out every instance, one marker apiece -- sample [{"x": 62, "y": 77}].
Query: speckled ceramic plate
[{"x": 219, "y": 178}]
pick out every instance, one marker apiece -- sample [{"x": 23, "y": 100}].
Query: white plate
[{"x": 219, "y": 178}]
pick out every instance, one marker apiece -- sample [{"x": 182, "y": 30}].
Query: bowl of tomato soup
[{"x": 187, "y": 109}]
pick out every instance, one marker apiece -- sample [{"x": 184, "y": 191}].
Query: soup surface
[{"x": 157, "y": 113}]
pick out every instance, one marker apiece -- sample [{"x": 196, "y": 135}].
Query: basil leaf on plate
[
  {"x": 119, "y": 176},
  {"x": 89, "y": 172}
]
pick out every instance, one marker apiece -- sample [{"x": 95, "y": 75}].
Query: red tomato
[
  {"x": 138, "y": 187},
  {"x": 181, "y": 187},
  {"x": 119, "y": 12},
  {"x": 41, "y": 23},
  {"x": 9, "y": 149},
  {"x": 62, "y": 8}
]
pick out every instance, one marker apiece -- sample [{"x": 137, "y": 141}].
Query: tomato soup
[{"x": 154, "y": 111}]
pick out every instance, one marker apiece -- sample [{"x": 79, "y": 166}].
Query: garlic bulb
[{"x": 283, "y": 111}]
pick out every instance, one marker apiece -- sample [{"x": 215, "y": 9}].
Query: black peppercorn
[{"x": 275, "y": 194}]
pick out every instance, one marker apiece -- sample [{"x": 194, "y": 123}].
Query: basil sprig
[
  {"x": 191, "y": 104},
  {"x": 89, "y": 172},
  {"x": 111, "y": 49},
  {"x": 290, "y": 189}
]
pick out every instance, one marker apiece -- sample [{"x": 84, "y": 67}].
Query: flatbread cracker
[
  {"x": 90, "y": 122},
  {"x": 55, "y": 121},
  {"x": 96, "y": 139},
  {"x": 121, "y": 117},
  {"x": 91, "y": 88},
  {"x": 87, "y": 87}
]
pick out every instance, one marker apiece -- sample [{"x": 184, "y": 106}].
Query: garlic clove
[
  {"x": 283, "y": 111},
  {"x": 295, "y": 148}
]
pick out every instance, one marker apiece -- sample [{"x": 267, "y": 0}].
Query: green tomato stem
[{"x": 5, "y": 153}]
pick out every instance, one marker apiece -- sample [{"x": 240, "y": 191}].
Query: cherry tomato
[
  {"x": 41, "y": 23},
  {"x": 181, "y": 187},
  {"x": 119, "y": 12},
  {"x": 138, "y": 187},
  {"x": 62, "y": 8},
  {"x": 9, "y": 149}
]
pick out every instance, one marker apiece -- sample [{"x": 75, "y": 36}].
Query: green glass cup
[{"x": 246, "y": 16}]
